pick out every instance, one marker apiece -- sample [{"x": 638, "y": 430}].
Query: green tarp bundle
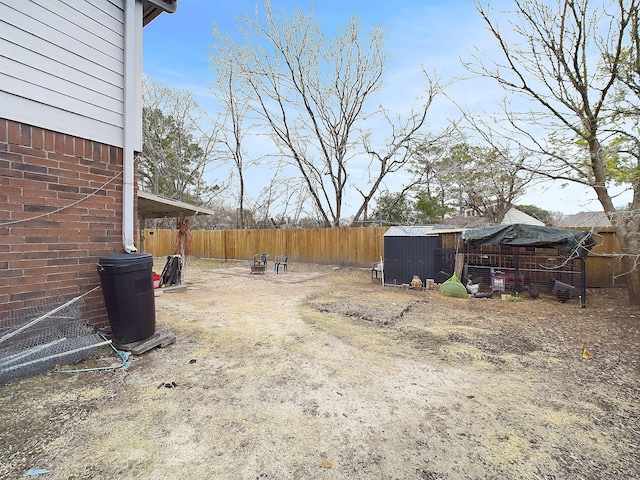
[{"x": 572, "y": 242}]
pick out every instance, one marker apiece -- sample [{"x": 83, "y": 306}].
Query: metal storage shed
[{"x": 409, "y": 251}]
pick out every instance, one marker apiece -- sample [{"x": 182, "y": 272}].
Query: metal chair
[
  {"x": 281, "y": 261},
  {"x": 377, "y": 268},
  {"x": 259, "y": 263}
]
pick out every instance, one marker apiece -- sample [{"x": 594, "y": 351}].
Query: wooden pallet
[{"x": 158, "y": 339}]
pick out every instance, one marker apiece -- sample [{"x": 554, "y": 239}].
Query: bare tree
[
  {"x": 279, "y": 194},
  {"x": 234, "y": 101},
  {"x": 178, "y": 145},
  {"x": 566, "y": 60},
  {"x": 464, "y": 177},
  {"x": 399, "y": 149},
  {"x": 486, "y": 180},
  {"x": 311, "y": 92}
]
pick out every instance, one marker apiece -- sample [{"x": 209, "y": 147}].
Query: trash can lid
[{"x": 125, "y": 258}]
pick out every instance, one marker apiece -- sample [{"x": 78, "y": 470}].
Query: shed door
[{"x": 405, "y": 257}]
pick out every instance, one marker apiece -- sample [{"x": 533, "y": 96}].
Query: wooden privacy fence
[
  {"x": 342, "y": 246},
  {"x": 603, "y": 266},
  {"x": 358, "y": 247}
]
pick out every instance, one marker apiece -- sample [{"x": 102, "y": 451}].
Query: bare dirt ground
[{"x": 320, "y": 373}]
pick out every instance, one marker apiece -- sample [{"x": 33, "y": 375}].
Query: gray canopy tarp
[{"x": 572, "y": 242}]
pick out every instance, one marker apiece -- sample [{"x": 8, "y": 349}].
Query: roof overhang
[
  {"x": 153, "y": 206},
  {"x": 153, "y": 8}
]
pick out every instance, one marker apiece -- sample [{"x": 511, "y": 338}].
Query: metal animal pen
[
  {"x": 521, "y": 258},
  {"x": 518, "y": 269}
]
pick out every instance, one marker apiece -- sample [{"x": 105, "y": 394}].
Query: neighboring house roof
[
  {"x": 463, "y": 221},
  {"x": 517, "y": 216},
  {"x": 153, "y": 206},
  {"x": 585, "y": 219},
  {"x": 512, "y": 216}
]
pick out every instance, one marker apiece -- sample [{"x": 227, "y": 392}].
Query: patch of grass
[
  {"x": 422, "y": 339},
  {"x": 208, "y": 263}
]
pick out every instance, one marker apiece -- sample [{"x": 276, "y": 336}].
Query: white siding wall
[{"x": 61, "y": 66}]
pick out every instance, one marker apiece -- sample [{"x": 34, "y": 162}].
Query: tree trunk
[
  {"x": 630, "y": 247},
  {"x": 626, "y": 227},
  {"x": 632, "y": 278},
  {"x": 241, "y": 220}
]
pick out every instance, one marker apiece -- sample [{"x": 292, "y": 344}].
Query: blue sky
[{"x": 433, "y": 34}]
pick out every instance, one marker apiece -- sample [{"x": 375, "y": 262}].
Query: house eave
[{"x": 153, "y": 8}]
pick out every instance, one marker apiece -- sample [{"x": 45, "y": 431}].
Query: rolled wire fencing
[{"x": 45, "y": 335}]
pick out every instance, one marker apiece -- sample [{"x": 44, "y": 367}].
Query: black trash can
[{"x": 127, "y": 287}]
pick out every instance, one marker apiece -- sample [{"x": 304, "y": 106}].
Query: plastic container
[
  {"x": 562, "y": 290},
  {"x": 127, "y": 287},
  {"x": 497, "y": 283}
]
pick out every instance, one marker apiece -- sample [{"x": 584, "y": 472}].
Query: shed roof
[
  {"x": 409, "y": 231},
  {"x": 418, "y": 231},
  {"x": 153, "y": 206}
]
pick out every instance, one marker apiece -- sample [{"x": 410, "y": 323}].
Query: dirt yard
[{"x": 321, "y": 373}]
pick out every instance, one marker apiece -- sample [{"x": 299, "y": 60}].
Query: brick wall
[{"x": 60, "y": 210}]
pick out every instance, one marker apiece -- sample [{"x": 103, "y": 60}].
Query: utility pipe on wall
[{"x": 131, "y": 30}]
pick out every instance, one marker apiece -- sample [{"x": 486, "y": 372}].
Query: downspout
[{"x": 128, "y": 174}]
